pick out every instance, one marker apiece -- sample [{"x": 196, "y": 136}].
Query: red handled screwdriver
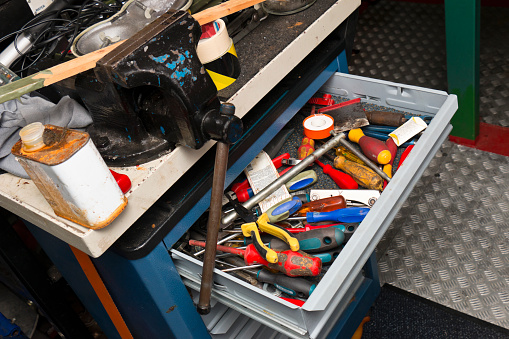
[
  {"x": 393, "y": 148},
  {"x": 373, "y": 148},
  {"x": 341, "y": 179},
  {"x": 291, "y": 263},
  {"x": 404, "y": 155}
]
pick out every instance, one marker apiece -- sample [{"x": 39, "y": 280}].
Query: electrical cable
[{"x": 58, "y": 26}]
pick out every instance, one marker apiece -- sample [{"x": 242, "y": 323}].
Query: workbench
[{"x": 285, "y": 61}]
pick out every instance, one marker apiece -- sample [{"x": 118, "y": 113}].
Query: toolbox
[{"x": 338, "y": 286}]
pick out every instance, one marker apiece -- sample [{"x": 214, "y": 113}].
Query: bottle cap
[{"x": 32, "y": 137}]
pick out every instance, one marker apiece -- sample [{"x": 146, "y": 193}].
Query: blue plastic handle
[
  {"x": 350, "y": 214},
  {"x": 290, "y": 206},
  {"x": 301, "y": 184}
]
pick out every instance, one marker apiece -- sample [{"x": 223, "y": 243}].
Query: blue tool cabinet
[{"x": 153, "y": 284}]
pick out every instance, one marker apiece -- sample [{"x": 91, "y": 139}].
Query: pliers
[
  {"x": 250, "y": 229},
  {"x": 253, "y": 226}
]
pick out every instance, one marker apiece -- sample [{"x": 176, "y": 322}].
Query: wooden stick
[
  {"x": 88, "y": 61},
  {"x": 222, "y": 10}
]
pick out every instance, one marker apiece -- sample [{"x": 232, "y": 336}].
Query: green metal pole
[{"x": 462, "y": 26}]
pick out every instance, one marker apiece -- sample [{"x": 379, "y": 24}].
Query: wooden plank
[
  {"x": 222, "y": 10},
  {"x": 88, "y": 61}
]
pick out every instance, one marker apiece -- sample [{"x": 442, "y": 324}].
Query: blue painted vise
[{"x": 152, "y": 93}]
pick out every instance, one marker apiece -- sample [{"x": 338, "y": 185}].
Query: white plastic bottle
[{"x": 70, "y": 173}]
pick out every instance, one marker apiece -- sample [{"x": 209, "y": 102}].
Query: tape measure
[
  {"x": 218, "y": 56},
  {"x": 318, "y": 126}
]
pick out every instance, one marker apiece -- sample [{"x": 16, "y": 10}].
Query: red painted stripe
[
  {"x": 492, "y": 138},
  {"x": 487, "y": 3}
]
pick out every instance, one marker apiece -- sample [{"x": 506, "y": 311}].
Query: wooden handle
[{"x": 88, "y": 61}]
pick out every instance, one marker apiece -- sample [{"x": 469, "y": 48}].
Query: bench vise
[{"x": 152, "y": 93}]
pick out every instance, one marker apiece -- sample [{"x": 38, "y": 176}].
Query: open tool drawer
[{"x": 337, "y": 287}]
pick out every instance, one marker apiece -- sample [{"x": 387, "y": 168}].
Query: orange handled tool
[
  {"x": 341, "y": 179},
  {"x": 307, "y": 146},
  {"x": 373, "y": 148},
  {"x": 363, "y": 175},
  {"x": 322, "y": 205}
]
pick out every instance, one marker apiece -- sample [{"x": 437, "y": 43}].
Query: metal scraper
[{"x": 347, "y": 115}]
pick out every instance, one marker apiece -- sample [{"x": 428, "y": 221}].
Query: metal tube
[
  {"x": 213, "y": 225},
  {"x": 222, "y": 241},
  {"x": 272, "y": 187},
  {"x": 241, "y": 268},
  {"x": 365, "y": 159}
]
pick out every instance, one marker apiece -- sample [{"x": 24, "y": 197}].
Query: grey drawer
[{"x": 334, "y": 292}]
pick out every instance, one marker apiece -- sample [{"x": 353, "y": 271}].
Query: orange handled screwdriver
[
  {"x": 322, "y": 205},
  {"x": 307, "y": 146},
  {"x": 341, "y": 179},
  {"x": 363, "y": 175},
  {"x": 291, "y": 263},
  {"x": 374, "y": 149}
]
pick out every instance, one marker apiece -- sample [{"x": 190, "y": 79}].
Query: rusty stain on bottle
[{"x": 73, "y": 178}]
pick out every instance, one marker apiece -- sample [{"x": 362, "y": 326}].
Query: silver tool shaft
[
  {"x": 272, "y": 187},
  {"x": 220, "y": 242}
]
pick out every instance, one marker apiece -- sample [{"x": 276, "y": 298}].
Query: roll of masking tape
[
  {"x": 217, "y": 54},
  {"x": 318, "y": 126}
]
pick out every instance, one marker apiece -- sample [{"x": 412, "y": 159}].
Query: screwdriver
[
  {"x": 363, "y": 175},
  {"x": 393, "y": 148},
  {"x": 328, "y": 257},
  {"x": 294, "y": 286},
  {"x": 307, "y": 146},
  {"x": 301, "y": 181},
  {"x": 382, "y": 136},
  {"x": 284, "y": 209},
  {"x": 291, "y": 263},
  {"x": 373, "y": 148},
  {"x": 322, "y": 205},
  {"x": 341, "y": 179},
  {"x": 317, "y": 240},
  {"x": 404, "y": 155},
  {"x": 350, "y": 214},
  {"x": 341, "y": 150}
]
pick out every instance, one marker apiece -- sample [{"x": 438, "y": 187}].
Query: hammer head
[{"x": 151, "y": 93}]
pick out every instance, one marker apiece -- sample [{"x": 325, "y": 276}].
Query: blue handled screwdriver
[{"x": 350, "y": 214}]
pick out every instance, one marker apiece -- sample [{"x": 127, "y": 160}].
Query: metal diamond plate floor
[
  {"x": 405, "y": 42},
  {"x": 450, "y": 240}
]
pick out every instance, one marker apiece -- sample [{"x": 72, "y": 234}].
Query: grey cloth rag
[{"x": 16, "y": 114}]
